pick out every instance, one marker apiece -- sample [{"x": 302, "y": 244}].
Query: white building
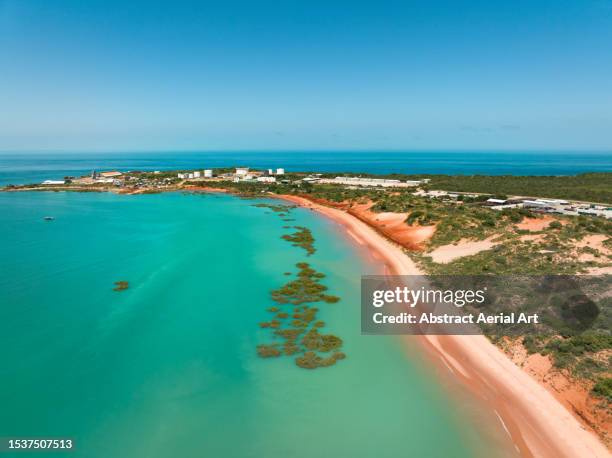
[
  {"x": 183, "y": 176},
  {"x": 535, "y": 204},
  {"x": 504, "y": 206},
  {"x": 208, "y": 173},
  {"x": 280, "y": 171},
  {"x": 111, "y": 174},
  {"x": 553, "y": 201},
  {"x": 54, "y": 182},
  {"x": 377, "y": 182},
  {"x": 433, "y": 193},
  {"x": 242, "y": 171},
  {"x": 266, "y": 179},
  {"x": 197, "y": 174}
]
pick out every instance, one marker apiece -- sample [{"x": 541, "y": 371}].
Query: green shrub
[{"x": 603, "y": 388}]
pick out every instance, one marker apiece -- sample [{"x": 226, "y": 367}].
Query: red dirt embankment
[
  {"x": 391, "y": 225},
  {"x": 574, "y": 394}
]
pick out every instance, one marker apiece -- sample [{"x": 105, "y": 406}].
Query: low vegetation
[
  {"x": 603, "y": 388},
  {"x": 590, "y": 187}
]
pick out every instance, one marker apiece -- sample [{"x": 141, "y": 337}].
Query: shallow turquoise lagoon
[{"x": 168, "y": 368}]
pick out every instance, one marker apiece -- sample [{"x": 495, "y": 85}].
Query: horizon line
[{"x": 310, "y": 150}]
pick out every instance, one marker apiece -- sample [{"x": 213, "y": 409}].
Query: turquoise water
[
  {"x": 22, "y": 168},
  {"x": 168, "y": 367}
]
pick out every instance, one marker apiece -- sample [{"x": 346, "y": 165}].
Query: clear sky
[{"x": 409, "y": 75}]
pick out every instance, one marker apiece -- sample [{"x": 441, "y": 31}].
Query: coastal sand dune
[
  {"x": 448, "y": 253},
  {"x": 535, "y": 224},
  {"x": 393, "y": 226},
  {"x": 538, "y": 425},
  {"x": 595, "y": 241}
]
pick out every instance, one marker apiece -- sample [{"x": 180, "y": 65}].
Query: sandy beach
[
  {"x": 448, "y": 253},
  {"x": 538, "y": 425}
]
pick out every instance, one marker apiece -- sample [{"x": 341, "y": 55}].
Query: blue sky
[{"x": 407, "y": 75}]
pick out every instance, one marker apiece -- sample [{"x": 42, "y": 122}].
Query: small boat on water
[{"x": 48, "y": 218}]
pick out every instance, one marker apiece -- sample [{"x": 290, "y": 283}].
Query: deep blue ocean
[{"x": 20, "y": 168}]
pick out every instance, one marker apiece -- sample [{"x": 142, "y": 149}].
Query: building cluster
[
  {"x": 246, "y": 174},
  {"x": 443, "y": 195},
  {"x": 372, "y": 182},
  {"x": 132, "y": 179},
  {"x": 206, "y": 173},
  {"x": 556, "y": 206},
  {"x": 239, "y": 174},
  {"x": 112, "y": 177}
]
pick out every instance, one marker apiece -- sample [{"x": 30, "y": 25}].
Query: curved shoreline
[{"x": 538, "y": 425}]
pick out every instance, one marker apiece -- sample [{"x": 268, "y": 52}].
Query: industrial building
[
  {"x": 376, "y": 182},
  {"x": 111, "y": 174}
]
